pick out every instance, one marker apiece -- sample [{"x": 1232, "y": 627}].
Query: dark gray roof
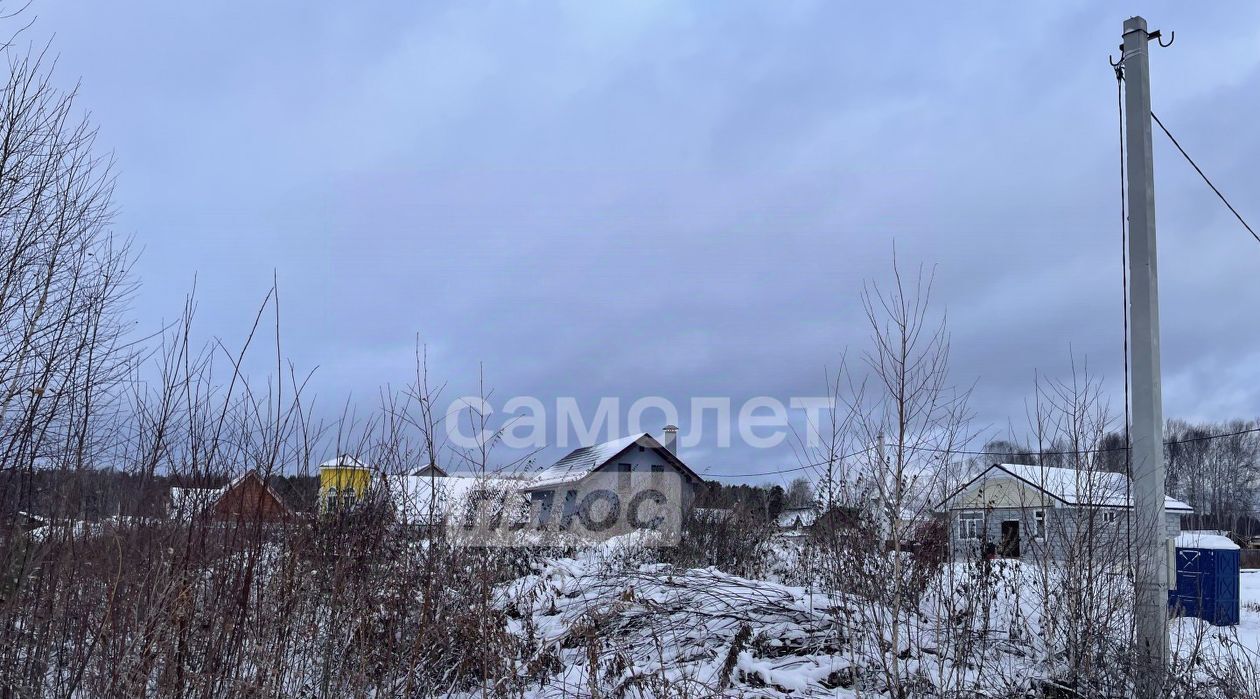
[{"x": 580, "y": 462}]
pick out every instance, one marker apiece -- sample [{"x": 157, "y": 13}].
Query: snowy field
[
  {"x": 604, "y": 623},
  {"x": 1249, "y": 591},
  {"x": 1244, "y": 639}
]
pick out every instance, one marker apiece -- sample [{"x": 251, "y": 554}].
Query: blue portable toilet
[{"x": 1207, "y": 578}]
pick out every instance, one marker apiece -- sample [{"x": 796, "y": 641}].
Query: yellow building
[{"x": 343, "y": 481}]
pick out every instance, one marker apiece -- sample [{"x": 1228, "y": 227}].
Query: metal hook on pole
[{"x": 1157, "y": 36}]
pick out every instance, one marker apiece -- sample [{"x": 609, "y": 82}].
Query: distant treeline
[
  {"x": 95, "y": 494},
  {"x": 1212, "y": 466},
  {"x": 768, "y": 500}
]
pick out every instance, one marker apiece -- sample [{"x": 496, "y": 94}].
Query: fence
[{"x": 1250, "y": 558}]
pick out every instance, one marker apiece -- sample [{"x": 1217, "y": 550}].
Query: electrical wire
[
  {"x": 1124, "y": 280},
  {"x": 1199, "y": 170},
  {"x": 791, "y": 470},
  {"x": 963, "y": 452},
  {"x": 1124, "y": 312}
]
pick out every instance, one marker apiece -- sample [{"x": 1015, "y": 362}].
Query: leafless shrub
[
  {"x": 107, "y": 591},
  {"x": 738, "y": 541}
]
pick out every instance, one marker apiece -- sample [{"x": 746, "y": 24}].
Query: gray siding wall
[
  {"x": 639, "y": 461},
  {"x": 1067, "y": 530}
]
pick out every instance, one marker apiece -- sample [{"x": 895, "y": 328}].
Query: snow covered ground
[
  {"x": 1247, "y": 633},
  {"x": 1249, "y": 626},
  {"x": 609, "y": 622},
  {"x": 1242, "y": 641},
  {"x": 651, "y": 630}
]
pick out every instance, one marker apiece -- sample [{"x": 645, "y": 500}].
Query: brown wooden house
[{"x": 248, "y": 498}]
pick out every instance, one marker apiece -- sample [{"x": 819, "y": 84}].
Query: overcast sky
[{"x": 669, "y": 198}]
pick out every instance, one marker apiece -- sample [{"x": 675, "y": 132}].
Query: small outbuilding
[{"x": 1207, "y": 578}]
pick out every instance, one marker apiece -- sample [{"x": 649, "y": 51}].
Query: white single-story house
[
  {"x": 1018, "y": 511},
  {"x": 430, "y": 497}
]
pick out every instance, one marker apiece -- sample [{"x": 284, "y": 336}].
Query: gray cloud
[{"x": 671, "y": 199}]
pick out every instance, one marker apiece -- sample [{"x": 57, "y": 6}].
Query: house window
[
  {"x": 969, "y": 525},
  {"x": 625, "y": 473},
  {"x": 658, "y": 475},
  {"x": 347, "y": 497},
  {"x": 1109, "y": 516},
  {"x": 331, "y": 499},
  {"x": 1039, "y": 525}
]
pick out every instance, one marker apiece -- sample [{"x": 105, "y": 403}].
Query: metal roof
[
  {"x": 580, "y": 462},
  {"x": 344, "y": 461},
  {"x": 1073, "y": 487}
]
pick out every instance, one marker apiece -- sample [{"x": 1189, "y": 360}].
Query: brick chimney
[{"x": 669, "y": 439}]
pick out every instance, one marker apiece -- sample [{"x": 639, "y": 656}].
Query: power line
[
  {"x": 1205, "y": 177},
  {"x": 1211, "y": 436},
  {"x": 1124, "y": 312},
  {"x": 1072, "y": 452},
  {"x": 964, "y": 452},
  {"x": 793, "y": 469}
]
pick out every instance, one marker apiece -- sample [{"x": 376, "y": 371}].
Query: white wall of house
[
  {"x": 1047, "y": 527},
  {"x": 1002, "y": 493},
  {"x": 633, "y": 470},
  {"x": 1052, "y": 532}
]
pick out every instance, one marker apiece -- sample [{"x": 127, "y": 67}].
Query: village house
[
  {"x": 343, "y": 483},
  {"x": 248, "y": 497},
  {"x": 815, "y": 520},
  {"x": 430, "y": 496},
  {"x": 426, "y": 497},
  {"x": 796, "y": 522},
  {"x": 633, "y": 459},
  {"x": 1023, "y": 511}
]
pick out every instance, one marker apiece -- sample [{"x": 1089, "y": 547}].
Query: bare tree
[
  {"x": 799, "y": 494},
  {"x": 910, "y": 419},
  {"x": 1214, "y": 467}
]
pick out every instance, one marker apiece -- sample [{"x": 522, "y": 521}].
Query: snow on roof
[
  {"x": 1205, "y": 540},
  {"x": 580, "y": 462},
  {"x": 1078, "y": 488},
  {"x": 431, "y": 500},
  {"x": 343, "y": 461},
  {"x": 186, "y": 502},
  {"x": 792, "y": 517}
]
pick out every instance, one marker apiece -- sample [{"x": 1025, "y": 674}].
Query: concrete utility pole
[{"x": 1150, "y": 532}]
